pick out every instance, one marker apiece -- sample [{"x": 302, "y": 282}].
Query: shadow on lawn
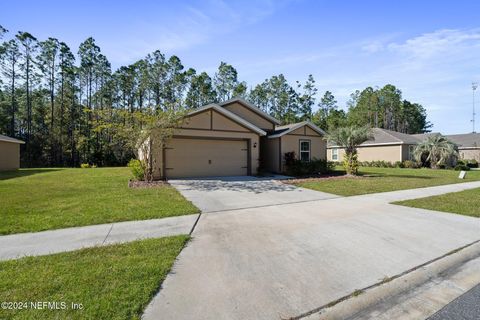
[
  {"x": 382, "y": 175},
  {"x": 5, "y": 175}
]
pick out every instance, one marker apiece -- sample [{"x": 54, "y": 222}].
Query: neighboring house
[
  {"x": 234, "y": 138},
  {"x": 386, "y": 145},
  {"x": 9, "y": 153},
  {"x": 468, "y": 144}
]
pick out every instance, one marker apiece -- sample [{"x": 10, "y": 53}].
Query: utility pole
[{"x": 474, "y": 87}]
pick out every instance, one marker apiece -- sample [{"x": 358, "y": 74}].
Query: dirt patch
[{"x": 147, "y": 184}]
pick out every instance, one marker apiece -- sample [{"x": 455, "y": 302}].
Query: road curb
[{"x": 350, "y": 305}]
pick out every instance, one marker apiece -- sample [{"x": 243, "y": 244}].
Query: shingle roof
[
  {"x": 10, "y": 139},
  {"x": 466, "y": 140},
  {"x": 384, "y": 136},
  {"x": 282, "y": 130}
]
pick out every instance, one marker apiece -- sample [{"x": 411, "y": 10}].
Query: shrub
[
  {"x": 297, "y": 167},
  {"x": 138, "y": 169},
  {"x": 399, "y": 164},
  {"x": 411, "y": 164},
  {"x": 472, "y": 163},
  {"x": 85, "y": 165},
  {"x": 461, "y": 167}
]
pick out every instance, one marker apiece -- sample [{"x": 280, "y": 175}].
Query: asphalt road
[{"x": 465, "y": 307}]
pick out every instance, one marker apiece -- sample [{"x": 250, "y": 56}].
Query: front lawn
[
  {"x": 373, "y": 180},
  {"x": 42, "y": 199},
  {"x": 111, "y": 282},
  {"x": 464, "y": 202}
]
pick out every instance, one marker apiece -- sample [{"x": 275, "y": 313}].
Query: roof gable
[
  {"x": 251, "y": 107},
  {"x": 286, "y": 129},
  {"x": 229, "y": 115},
  {"x": 10, "y": 139}
]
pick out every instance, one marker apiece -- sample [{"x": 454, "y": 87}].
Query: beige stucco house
[
  {"x": 468, "y": 144},
  {"x": 234, "y": 138},
  {"x": 9, "y": 153},
  {"x": 386, "y": 145}
]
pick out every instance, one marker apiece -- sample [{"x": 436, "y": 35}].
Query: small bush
[
  {"x": 85, "y": 165},
  {"x": 399, "y": 164},
  {"x": 298, "y": 168},
  {"x": 462, "y": 167},
  {"x": 411, "y": 164},
  {"x": 138, "y": 169},
  {"x": 472, "y": 163}
]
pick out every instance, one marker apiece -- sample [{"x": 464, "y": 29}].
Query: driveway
[
  {"x": 283, "y": 260},
  {"x": 231, "y": 193}
]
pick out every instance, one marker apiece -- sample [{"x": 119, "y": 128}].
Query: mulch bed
[{"x": 147, "y": 184}]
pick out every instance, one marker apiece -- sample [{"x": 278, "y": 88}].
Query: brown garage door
[{"x": 206, "y": 158}]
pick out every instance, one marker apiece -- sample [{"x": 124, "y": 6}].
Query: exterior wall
[
  {"x": 250, "y": 116},
  {"x": 291, "y": 142},
  {"x": 469, "y": 154},
  {"x": 270, "y": 154},
  {"x": 392, "y": 153},
  {"x": 213, "y": 125},
  {"x": 9, "y": 156}
]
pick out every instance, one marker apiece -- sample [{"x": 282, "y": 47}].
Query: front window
[
  {"x": 305, "y": 150},
  {"x": 335, "y": 154}
]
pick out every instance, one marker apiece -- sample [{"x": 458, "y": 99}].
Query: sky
[{"x": 428, "y": 49}]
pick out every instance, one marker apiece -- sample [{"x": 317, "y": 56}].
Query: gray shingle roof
[
  {"x": 282, "y": 130},
  {"x": 466, "y": 140}
]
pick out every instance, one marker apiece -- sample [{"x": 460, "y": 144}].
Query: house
[
  {"x": 386, "y": 145},
  {"x": 468, "y": 144},
  {"x": 9, "y": 153},
  {"x": 234, "y": 138}
]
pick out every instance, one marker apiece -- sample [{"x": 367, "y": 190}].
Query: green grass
[
  {"x": 373, "y": 180},
  {"x": 464, "y": 202},
  {"x": 42, "y": 199},
  {"x": 111, "y": 282}
]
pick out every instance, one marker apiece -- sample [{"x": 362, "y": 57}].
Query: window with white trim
[
  {"x": 304, "y": 150},
  {"x": 334, "y": 154}
]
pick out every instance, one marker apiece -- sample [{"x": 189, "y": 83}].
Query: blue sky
[{"x": 429, "y": 49}]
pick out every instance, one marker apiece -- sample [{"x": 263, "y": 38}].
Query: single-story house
[
  {"x": 234, "y": 138},
  {"x": 9, "y": 153},
  {"x": 386, "y": 145},
  {"x": 468, "y": 144}
]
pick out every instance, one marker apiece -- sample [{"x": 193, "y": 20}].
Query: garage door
[{"x": 206, "y": 158}]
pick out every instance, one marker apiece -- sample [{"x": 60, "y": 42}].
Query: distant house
[
  {"x": 9, "y": 153},
  {"x": 468, "y": 144},
  {"x": 392, "y": 146},
  {"x": 386, "y": 145}
]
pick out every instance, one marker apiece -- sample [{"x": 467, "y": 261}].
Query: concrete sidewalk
[{"x": 54, "y": 241}]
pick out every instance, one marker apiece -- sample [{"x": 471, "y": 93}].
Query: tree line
[{"x": 52, "y": 97}]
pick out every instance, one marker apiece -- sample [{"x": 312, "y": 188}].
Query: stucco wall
[
  {"x": 9, "y": 156},
  {"x": 469, "y": 154},
  {"x": 270, "y": 149},
  {"x": 250, "y": 116},
  {"x": 375, "y": 153},
  {"x": 291, "y": 142}
]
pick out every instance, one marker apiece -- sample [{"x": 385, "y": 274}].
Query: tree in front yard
[
  {"x": 141, "y": 132},
  {"x": 350, "y": 138},
  {"x": 436, "y": 150}
]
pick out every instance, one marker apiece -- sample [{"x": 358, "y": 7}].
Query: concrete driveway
[
  {"x": 281, "y": 261},
  {"x": 231, "y": 193}
]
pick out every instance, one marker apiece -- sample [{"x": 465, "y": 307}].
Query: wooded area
[{"x": 51, "y": 98}]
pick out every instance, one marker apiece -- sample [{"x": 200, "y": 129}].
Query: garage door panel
[{"x": 206, "y": 157}]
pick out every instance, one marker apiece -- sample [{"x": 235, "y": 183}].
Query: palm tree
[
  {"x": 435, "y": 149},
  {"x": 350, "y": 138}
]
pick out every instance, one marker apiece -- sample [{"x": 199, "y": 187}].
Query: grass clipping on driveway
[
  {"x": 464, "y": 202},
  {"x": 42, "y": 199},
  {"x": 111, "y": 282},
  {"x": 374, "y": 180}
]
